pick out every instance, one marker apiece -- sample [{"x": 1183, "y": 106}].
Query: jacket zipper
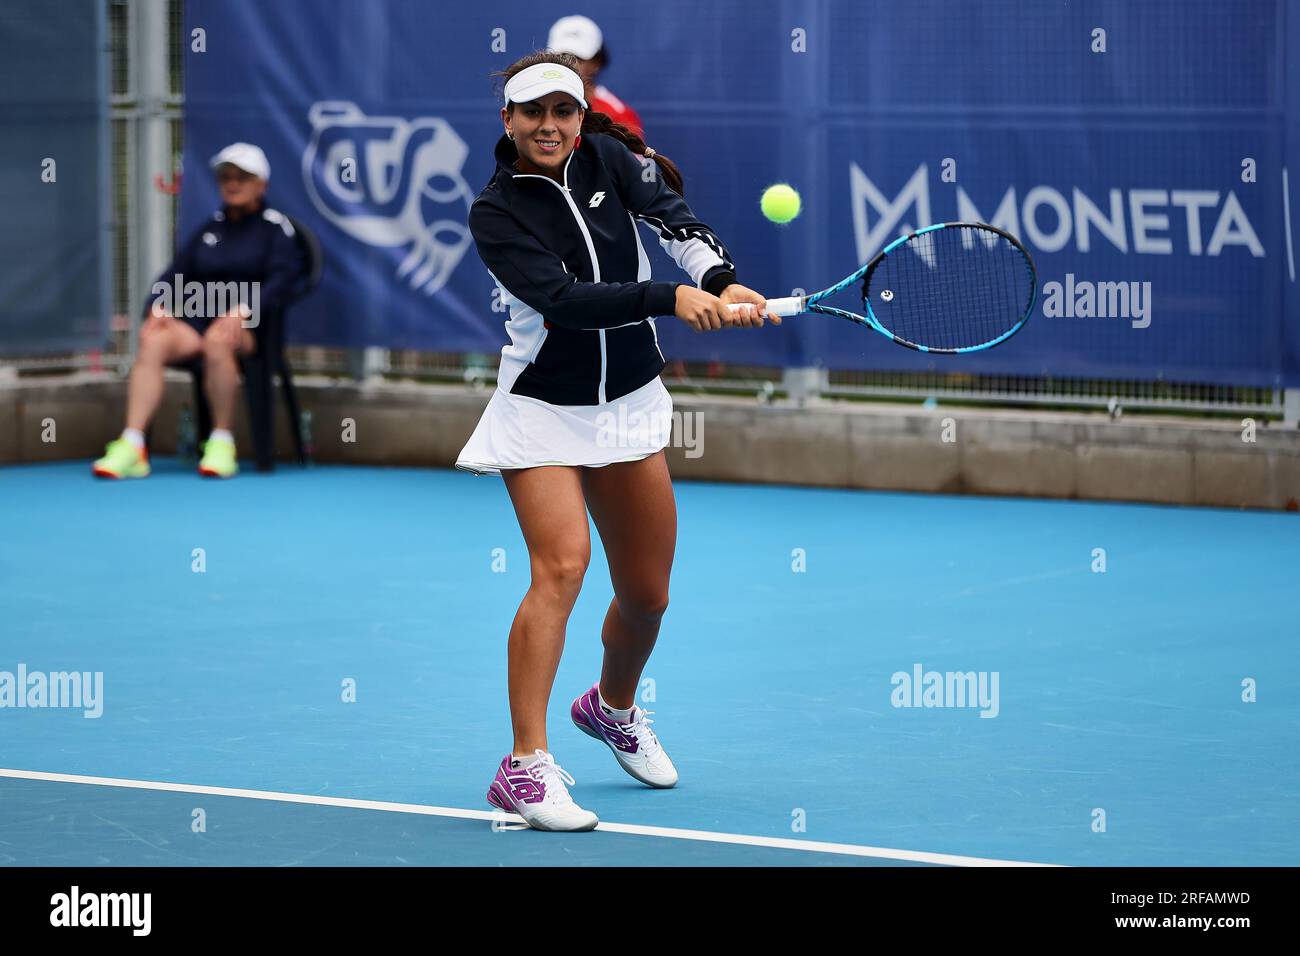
[{"x": 591, "y": 252}]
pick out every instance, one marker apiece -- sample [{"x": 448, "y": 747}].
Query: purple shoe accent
[
  {"x": 513, "y": 787},
  {"x": 589, "y": 718},
  {"x": 498, "y": 801}
]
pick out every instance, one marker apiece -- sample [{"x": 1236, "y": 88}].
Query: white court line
[{"x": 671, "y": 833}]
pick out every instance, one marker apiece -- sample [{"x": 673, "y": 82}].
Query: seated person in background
[{"x": 247, "y": 243}]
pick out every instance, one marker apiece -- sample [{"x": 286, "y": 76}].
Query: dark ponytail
[
  {"x": 597, "y": 122},
  {"x": 594, "y": 121}
]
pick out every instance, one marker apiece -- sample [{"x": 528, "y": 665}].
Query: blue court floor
[{"x": 1117, "y": 731}]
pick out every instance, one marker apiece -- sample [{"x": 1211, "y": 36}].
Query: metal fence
[
  {"x": 147, "y": 113},
  {"x": 147, "y": 122}
]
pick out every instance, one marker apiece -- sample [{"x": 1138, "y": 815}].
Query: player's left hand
[{"x": 752, "y": 316}]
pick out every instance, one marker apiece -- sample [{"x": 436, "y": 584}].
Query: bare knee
[
  {"x": 217, "y": 350},
  {"x": 644, "y": 606},
  {"x": 214, "y": 354},
  {"x": 561, "y": 576}
]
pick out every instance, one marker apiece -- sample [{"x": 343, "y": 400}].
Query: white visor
[{"x": 542, "y": 78}]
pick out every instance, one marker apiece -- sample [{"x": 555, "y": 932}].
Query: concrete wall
[
  {"x": 850, "y": 445},
  {"x": 1049, "y": 454}
]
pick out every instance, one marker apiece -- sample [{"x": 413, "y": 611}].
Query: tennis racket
[{"x": 948, "y": 288}]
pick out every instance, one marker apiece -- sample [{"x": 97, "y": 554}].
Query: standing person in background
[{"x": 581, "y": 37}]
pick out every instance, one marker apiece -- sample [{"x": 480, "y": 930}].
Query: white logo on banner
[
  {"x": 1147, "y": 221},
  {"x": 389, "y": 181}
]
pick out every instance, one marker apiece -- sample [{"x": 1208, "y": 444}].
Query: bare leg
[
  {"x": 548, "y": 502},
  {"x": 632, "y": 504},
  {"x": 221, "y": 374},
  {"x": 174, "y": 341}
]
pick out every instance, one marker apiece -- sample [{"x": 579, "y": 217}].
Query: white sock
[
  {"x": 622, "y": 716},
  {"x": 222, "y": 434},
  {"x": 134, "y": 436},
  {"x": 520, "y": 763}
]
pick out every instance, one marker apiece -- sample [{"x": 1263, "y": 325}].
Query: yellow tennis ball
[{"x": 780, "y": 203}]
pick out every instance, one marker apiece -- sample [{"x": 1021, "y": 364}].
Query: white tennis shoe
[
  {"x": 635, "y": 745},
  {"x": 539, "y": 794}
]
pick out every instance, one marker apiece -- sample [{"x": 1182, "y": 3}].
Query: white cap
[
  {"x": 247, "y": 157},
  {"x": 542, "y": 78},
  {"x": 577, "y": 35}
]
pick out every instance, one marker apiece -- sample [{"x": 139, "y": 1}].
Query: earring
[{"x": 510, "y": 136}]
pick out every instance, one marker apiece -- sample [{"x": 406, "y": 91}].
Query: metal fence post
[
  {"x": 804, "y": 383},
  {"x": 369, "y": 364},
  {"x": 152, "y": 225}
]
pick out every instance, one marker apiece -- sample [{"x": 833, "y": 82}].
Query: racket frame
[{"x": 795, "y": 305}]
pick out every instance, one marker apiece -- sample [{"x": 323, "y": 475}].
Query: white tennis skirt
[{"x": 520, "y": 432}]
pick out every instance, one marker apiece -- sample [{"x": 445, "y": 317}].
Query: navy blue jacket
[
  {"x": 259, "y": 247},
  {"x": 572, "y": 272}
]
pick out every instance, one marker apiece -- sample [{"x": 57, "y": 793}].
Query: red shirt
[{"x": 617, "y": 110}]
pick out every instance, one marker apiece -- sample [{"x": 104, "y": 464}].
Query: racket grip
[{"x": 790, "y": 305}]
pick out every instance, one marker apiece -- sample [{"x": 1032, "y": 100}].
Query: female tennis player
[{"x": 580, "y": 418}]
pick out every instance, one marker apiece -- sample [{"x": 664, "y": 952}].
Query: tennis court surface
[{"x": 1116, "y": 730}]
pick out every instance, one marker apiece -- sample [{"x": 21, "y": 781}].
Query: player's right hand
[{"x": 700, "y": 310}]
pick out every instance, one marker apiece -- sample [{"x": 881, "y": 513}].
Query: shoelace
[
  {"x": 552, "y": 776},
  {"x": 640, "y": 729}
]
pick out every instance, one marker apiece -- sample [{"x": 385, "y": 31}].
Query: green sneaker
[
  {"x": 122, "y": 460},
  {"x": 218, "y": 459}
]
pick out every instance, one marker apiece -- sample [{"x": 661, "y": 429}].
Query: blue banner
[
  {"x": 55, "y": 187},
  {"x": 1139, "y": 150}
]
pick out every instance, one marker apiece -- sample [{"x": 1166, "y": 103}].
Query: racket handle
[{"x": 790, "y": 305}]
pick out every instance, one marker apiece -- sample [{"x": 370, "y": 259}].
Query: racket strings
[{"x": 959, "y": 287}]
